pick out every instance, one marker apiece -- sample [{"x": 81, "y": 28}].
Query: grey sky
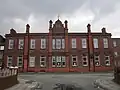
[{"x": 100, "y": 13}]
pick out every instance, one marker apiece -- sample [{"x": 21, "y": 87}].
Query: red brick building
[{"x": 58, "y": 50}]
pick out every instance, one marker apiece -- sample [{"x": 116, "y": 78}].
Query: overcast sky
[{"x": 99, "y": 13}]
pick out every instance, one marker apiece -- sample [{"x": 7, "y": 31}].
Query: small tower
[
  {"x": 50, "y": 24},
  {"x": 89, "y": 28},
  {"x": 66, "y": 24},
  {"x": 27, "y": 28}
]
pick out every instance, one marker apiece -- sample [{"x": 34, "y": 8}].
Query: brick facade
[{"x": 58, "y": 30}]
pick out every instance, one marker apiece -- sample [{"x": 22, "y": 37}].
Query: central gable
[{"x": 58, "y": 27}]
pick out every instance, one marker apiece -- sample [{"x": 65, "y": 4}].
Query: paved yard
[{"x": 49, "y": 80}]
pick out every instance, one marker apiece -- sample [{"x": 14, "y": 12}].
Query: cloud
[{"x": 100, "y": 13}]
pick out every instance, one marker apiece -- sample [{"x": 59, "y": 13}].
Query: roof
[{"x": 46, "y": 34}]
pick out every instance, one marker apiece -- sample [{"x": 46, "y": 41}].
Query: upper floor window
[
  {"x": 73, "y": 42},
  {"x": 9, "y": 61},
  {"x": 42, "y": 61},
  {"x": 114, "y": 43},
  {"x": 32, "y": 44},
  {"x": 95, "y": 42},
  {"x": 19, "y": 61},
  {"x": 43, "y": 43},
  {"x": 107, "y": 60},
  {"x": 63, "y": 43},
  {"x": 74, "y": 61},
  {"x": 11, "y": 44},
  {"x": 21, "y": 43},
  {"x": 32, "y": 61},
  {"x": 1, "y": 47},
  {"x": 58, "y": 43},
  {"x": 84, "y": 60},
  {"x": 105, "y": 42},
  {"x": 84, "y": 43}
]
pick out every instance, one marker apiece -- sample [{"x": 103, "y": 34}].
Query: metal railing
[{"x": 8, "y": 71}]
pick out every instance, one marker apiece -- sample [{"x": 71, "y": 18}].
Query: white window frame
[
  {"x": 84, "y": 56},
  {"x": 58, "y": 61},
  {"x": 95, "y": 42},
  {"x": 108, "y": 60},
  {"x": 63, "y": 61},
  {"x": 53, "y": 61},
  {"x": 74, "y": 43},
  {"x": 63, "y": 43},
  {"x": 58, "y": 43},
  {"x": 18, "y": 61},
  {"x": 74, "y": 65},
  {"x": 1, "y": 47},
  {"x": 53, "y": 43},
  {"x": 11, "y": 44},
  {"x": 84, "y": 43},
  {"x": 105, "y": 42},
  {"x": 116, "y": 53},
  {"x": 9, "y": 61},
  {"x": 32, "y": 44},
  {"x": 44, "y": 58},
  {"x": 114, "y": 43},
  {"x": 97, "y": 56},
  {"x": 21, "y": 44},
  {"x": 43, "y": 43},
  {"x": 32, "y": 61}
]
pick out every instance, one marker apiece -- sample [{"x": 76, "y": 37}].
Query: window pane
[
  {"x": 74, "y": 60},
  {"x": 63, "y": 43},
  {"x": 1, "y": 47},
  {"x": 32, "y": 62},
  {"x": 11, "y": 44},
  {"x": 95, "y": 41},
  {"x": 73, "y": 42},
  {"x": 114, "y": 43},
  {"x": 32, "y": 44},
  {"x": 85, "y": 60},
  {"x": 9, "y": 61},
  {"x": 84, "y": 43},
  {"x": 107, "y": 60},
  {"x": 53, "y": 43},
  {"x": 105, "y": 42},
  {"x": 97, "y": 60},
  {"x": 42, "y": 61},
  {"x": 21, "y": 44},
  {"x": 115, "y": 53},
  {"x": 43, "y": 43},
  {"x": 19, "y": 61},
  {"x": 58, "y": 43}
]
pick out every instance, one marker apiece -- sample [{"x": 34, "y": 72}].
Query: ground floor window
[
  {"x": 116, "y": 54},
  {"x": 58, "y": 61},
  {"x": 42, "y": 61},
  {"x": 74, "y": 61},
  {"x": 9, "y": 61},
  {"x": 19, "y": 61},
  {"x": 97, "y": 60},
  {"x": 84, "y": 60},
  {"x": 32, "y": 61},
  {"x": 107, "y": 60}
]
